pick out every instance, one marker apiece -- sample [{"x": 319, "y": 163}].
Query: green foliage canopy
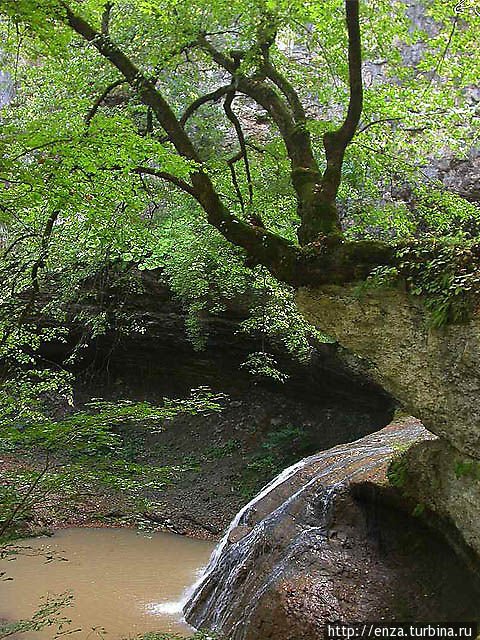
[{"x": 90, "y": 178}]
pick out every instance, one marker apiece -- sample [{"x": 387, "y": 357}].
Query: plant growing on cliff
[
  {"x": 397, "y": 471},
  {"x": 444, "y": 274},
  {"x": 467, "y": 469}
]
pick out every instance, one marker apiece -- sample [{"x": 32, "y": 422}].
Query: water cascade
[{"x": 299, "y": 553}]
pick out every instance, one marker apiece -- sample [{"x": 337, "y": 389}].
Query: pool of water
[{"x": 122, "y": 581}]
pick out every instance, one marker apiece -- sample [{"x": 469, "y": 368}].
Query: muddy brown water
[{"x": 122, "y": 581}]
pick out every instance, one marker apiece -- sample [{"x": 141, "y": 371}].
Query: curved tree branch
[
  {"x": 374, "y": 122},
  {"x": 262, "y": 93},
  {"x": 266, "y": 34},
  {"x": 21, "y": 238},
  {"x": 305, "y": 173},
  {"x": 227, "y": 105},
  {"x": 101, "y": 98},
  {"x": 336, "y": 142},
  {"x": 164, "y": 175},
  {"x": 209, "y": 97},
  {"x": 231, "y": 165},
  {"x": 288, "y": 91},
  {"x": 106, "y": 18}
]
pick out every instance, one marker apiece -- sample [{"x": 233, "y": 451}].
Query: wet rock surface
[{"x": 328, "y": 543}]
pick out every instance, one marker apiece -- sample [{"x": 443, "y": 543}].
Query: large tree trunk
[{"x": 319, "y": 215}]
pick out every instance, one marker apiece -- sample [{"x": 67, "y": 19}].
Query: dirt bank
[{"x": 212, "y": 463}]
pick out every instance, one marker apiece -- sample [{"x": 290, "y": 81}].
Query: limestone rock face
[
  {"x": 434, "y": 373},
  {"x": 327, "y": 542},
  {"x": 448, "y": 484},
  {"x": 147, "y": 347}
]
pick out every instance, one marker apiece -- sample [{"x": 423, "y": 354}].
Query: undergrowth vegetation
[{"x": 83, "y": 452}]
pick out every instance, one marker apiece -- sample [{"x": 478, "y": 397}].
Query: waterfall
[
  {"x": 192, "y": 592},
  {"x": 188, "y": 596},
  {"x": 288, "y": 520}
]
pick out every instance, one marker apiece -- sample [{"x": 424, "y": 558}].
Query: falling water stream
[
  {"x": 227, "y": 594},
  {"x": 125, "y": 582}
]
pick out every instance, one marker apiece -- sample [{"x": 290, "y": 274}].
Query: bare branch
[
  {"x": 44, "y": 145},
  {"x": 374, "y": 122},
  {"x": 101, "y": 98},
  {"x": 168, "y": 177},
  {"x": 227, "y": 105},
  {"x": 209, "y": 97},
  {"x": 231, "y": 165},
  {"x": 10, "y": 248},
  {"x": 288, "y": 91},
  {"x": 106, "y": 18}
]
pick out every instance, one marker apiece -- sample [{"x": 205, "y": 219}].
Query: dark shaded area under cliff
[{"x": 264, "y": 427}]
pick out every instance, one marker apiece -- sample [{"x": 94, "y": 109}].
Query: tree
[
  {"x": 108, "y": 162},
  {"x": 243, "y": 49}
]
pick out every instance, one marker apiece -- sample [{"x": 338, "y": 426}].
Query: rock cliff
[{"x": 434, "y": 373}]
